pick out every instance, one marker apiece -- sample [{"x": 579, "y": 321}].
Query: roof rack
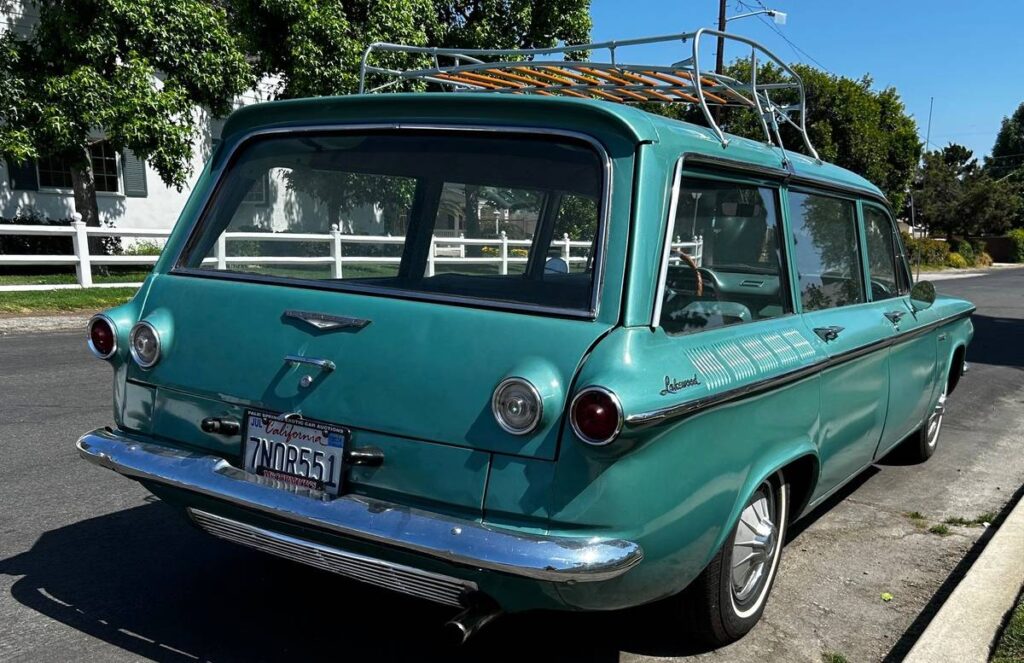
[{"x": 535, "y": 71}]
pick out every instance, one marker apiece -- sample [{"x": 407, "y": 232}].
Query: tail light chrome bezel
[
  {"x": 131, "y": 345},
  {"x": 621, "y": 420},
  {"x": 99, "y": 317},
  {"x": 535, "y": 394}
]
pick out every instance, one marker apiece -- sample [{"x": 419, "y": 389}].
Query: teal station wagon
[{"x": 515, "y": 345}]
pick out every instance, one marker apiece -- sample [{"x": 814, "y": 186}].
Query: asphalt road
[{"x": 93, "y": 569}]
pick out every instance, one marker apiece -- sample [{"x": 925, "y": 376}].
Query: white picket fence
[{"x": 443, "y": 250}]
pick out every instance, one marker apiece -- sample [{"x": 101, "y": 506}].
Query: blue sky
[{"x": 968, "y": 55}]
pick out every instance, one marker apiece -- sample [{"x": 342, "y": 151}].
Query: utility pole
[{"x": 720, "y": 59}]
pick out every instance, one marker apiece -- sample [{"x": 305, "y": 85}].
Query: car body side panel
[{"x": 676, "y": 486}]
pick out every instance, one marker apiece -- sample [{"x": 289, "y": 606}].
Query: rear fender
[{"x": 765, "y": 467}]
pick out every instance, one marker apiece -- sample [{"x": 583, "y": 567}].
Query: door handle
[
  {"x": 323, "y": 364},
  {"x": 895, "y": 316},
  {"x": 828, "y": 333}
]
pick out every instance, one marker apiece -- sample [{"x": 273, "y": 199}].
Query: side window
[
  {"x": 825, "y": 251},
  {"x": 882, "y": 254},
  {"x": 724, "y": 264}
]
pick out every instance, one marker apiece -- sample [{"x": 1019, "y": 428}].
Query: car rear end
[{"x": 360, "y": 345}]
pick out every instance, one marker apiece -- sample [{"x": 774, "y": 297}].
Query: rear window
[{"x": 505, "y": 219}]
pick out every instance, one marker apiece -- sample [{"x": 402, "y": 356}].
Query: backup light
[
  {"x": 144, "y": 343},
  {"x": 517, "y": 406}
]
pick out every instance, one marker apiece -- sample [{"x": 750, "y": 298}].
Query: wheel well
[
  {"x": 801, "y": 475},
  {"x": 955, "y": 369}
]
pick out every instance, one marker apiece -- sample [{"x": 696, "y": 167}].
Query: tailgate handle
[{"x": 323, "y": 364}]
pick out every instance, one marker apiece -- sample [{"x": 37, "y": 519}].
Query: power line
[{"x": 796, "y": 49}]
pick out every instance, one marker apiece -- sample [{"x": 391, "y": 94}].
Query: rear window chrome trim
[{"x": 604, "y": 219}]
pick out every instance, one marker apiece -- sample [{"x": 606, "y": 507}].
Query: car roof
[{"x": 563, "y": 113}]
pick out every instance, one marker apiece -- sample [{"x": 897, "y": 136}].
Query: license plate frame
[{"x": 269, "y": 435}]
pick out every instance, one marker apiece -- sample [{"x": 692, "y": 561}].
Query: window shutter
[
  {"x": 23, "y": 175},
  {"x": 133, "y": 169}
]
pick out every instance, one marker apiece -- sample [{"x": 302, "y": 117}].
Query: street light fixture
[{"x": 777, "y": 16}]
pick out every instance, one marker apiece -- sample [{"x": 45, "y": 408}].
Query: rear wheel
[{"x": 729, "y": 596}]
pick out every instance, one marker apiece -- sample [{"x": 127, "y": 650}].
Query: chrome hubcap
[
  {"x": 935, "y": 421},
  {"x": 754, "y": 545}
]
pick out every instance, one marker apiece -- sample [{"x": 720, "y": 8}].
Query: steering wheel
[{"x": 699, "y": 290}]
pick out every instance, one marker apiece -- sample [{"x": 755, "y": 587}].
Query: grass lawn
[
  {"x": 69, "y": 277},
  {"x": 1011, "y": 643},
  {"x": 40, "y": 301}
]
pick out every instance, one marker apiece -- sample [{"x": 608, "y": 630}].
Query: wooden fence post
[
  {"x": 80, "y": 241},
  {"x": 221, "y": 251},
  {"x": 430, "y": 256},
  {"x": 565, "y": 249},
  {"x": 336, "y": 250},
  {"x": 504, "y": 253}
]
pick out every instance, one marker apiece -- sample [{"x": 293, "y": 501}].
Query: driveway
[{"x": 93, "y": 569}]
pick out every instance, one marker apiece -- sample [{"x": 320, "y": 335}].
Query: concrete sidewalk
[{"x": 967, "y": 625}]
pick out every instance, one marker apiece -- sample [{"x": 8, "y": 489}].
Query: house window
[
  {"x": 257, "y": 194},
  {"x": 55, "y": 172},
  {"x": 104, "y": 166}
]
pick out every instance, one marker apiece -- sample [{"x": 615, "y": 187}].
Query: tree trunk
[{"x": 85, "y": 197}]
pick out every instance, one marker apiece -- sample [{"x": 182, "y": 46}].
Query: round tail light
[
  {"x": 596, "y": 416},
  {"x": 144, "y": 343},
  {"x": 517, "y": 406},
  {"x": 102, "y": 336}
]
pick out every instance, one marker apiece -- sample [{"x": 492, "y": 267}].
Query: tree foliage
[
  {"x": 955, "y": 196},
  {"x": 133, "y": 70},
  {"x": 1008, "y": 151},
  {"x": 314, "y": 47}
]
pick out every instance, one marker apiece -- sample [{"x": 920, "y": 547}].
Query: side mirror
[{"x": 922, "y": 295}]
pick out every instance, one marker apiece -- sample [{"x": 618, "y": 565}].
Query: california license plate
[{"x": 300, "y": 452}]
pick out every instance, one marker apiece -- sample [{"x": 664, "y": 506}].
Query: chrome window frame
[
  {"x": 858, "y": 243},
  {"x": 721, "y": 170},
  {"x": 601, "y": 243},
  {"x": 900, "y": 261}
]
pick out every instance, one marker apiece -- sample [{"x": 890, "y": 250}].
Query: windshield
[{"x": 497, "y": 218}]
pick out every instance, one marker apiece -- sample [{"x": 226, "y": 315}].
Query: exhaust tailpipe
[{"x": 467, "y": 623}]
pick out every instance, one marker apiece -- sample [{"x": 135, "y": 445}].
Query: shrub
[
  {"x": 956, "y": 261},
  {"x": 980, "y": 246},
  {"x": 965, "y": 249},
  {"x": 982, "y": 259},
  {"x": 144, "y": 248},
  {"x": 927, "y": 251},
  {"x": 35, "y": 244},
  {"x": 1017, "y": 237}
]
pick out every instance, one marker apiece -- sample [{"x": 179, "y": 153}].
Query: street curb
[
  {"x": 968, "y": 623},
  {"x": 33, "y": 324}
]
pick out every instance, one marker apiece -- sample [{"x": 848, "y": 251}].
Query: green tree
[
  {"x": 956, "y": 197},
  {"x": 314, "y": 47},
  {"x": 1008, "y": 151},
  {"x": 849, "y": 124},
  {"x": 134, "y": 71}
]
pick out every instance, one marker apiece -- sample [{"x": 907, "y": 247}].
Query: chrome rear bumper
[{"x": 456, "y": 541}]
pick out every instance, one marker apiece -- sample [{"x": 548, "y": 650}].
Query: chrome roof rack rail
[{"x": 562, "y": 71}]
